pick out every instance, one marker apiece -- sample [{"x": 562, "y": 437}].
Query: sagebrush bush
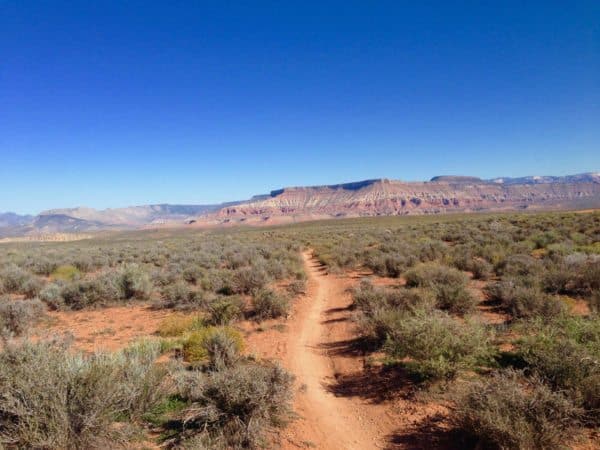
[
  {"x": 437, "y": 345},
  {"x": 193, "y": 274},
  {"x": 31, "y": 288},
  {"x": 224, "y": 310},
  {"x": 389, "y": 265},
  {"x": 248, "y": 279},
  {"x": 180, "y": 296},
  {"x": 199, "y": 346},
  {"x": 433, "y": 274},
  {"x": 179, "y": 324},
  {"x": 269, "y": 304},
  {"x": 455, "y": 299},
  {"x": 524, "y": 302},
  {"x": 566, "y": 353},
  {"x": 17, "y": 316},
  {"x": 508, "y": 411},
  {"x": 369, "y": 298},
  {"x": 574, "y": 274},
  {"x": 71, "y": 401},
  {"x": 594, "y": 303},
  {"x": 480, "y": 268},
  {"x": 448, "y": 285},
  {"x": 98, "y": 291},
  {"x": 519, "y": 265},
  {"x": 51, "y": 295},
  {"x": 134, "y": 283},
  {"x": 223, "y": 347},
  {"x": 14, "y": 279},
  {"x": 235, "y": 406},
  {"x": 65, "y": 272}
]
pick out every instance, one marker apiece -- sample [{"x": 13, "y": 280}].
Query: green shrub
[
  {"x": 436, "y": 345},
  {"x": 523, "y": 302},
  {"x": 508, "y": 411},
  {"x": 433, "y": 275},
  {"x": 65, "y": 273},
  {"x": 51, "y": 295},
  {"x": 17, "y": 316},
  {"x": 179, "y": 324},
  {"x": 199, "y": 348},
  {"x": 180, "y": 296},
  {"x": 447, "y": 284},
  {"x": 224, "y": 310},
  {"x": 455, "y": 299},
  {"x": 369, "y": 299},
  {"x": 566, "y": 353},
  {"x": 234, "y": 407},
  {"x": 269, "y": 304},
  {"x": 14, "y": 279},
  {"x": 134, "y": 283},
  {"x": 95, "y": 292},
  {"x": 519, "y": 266},
  {"x": 248, "y": 279},
  {"x": 72, "y": 402}
]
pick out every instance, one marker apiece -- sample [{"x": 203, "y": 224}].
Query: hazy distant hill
[
  {"x": 10, "y": 219},
  {"x": 135, "y": 215},
  {"x": 375, "y": 197}
]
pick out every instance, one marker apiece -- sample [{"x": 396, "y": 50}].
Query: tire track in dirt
[{"x": 319, "y": 331}]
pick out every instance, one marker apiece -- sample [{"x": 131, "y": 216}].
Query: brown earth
[
  {"x": 108, "y": 329},
  {"x": 341, "y": 403}
]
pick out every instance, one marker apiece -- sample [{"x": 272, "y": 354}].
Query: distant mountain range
[{"x": 377, "y": 197}]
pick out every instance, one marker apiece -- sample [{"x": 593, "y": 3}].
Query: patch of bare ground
[
  {"x": 489, "y": 311},
  {"x": 110, "y": 328}
]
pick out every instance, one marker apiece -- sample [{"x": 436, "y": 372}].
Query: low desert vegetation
[
  {"x": 497, "y": 313},
  {"x": 536, "y": 275},
  {"x": 269, "y": 304},
  {"x": 233, "y": 407},
  {"x": 221, "y": 399},
  {"x": 73, "y": 401},
  {"x": 17, "y": 317},
  {"x": 566, "y": 354},
  {"x": 509, "y": 410},
  {"x": 429, "y": 342},
  {"x": 218, "y": 274}
]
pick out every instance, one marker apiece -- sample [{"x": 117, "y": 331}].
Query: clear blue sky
[{"x": 120, "y": 103}]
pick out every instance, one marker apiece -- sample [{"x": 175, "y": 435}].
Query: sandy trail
[{"x": 318, "y": 332}]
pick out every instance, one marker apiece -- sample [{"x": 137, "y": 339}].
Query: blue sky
[{"x": 109, "y": 104}]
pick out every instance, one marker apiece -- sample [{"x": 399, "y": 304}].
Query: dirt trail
[{"x": 317, "y": 353}]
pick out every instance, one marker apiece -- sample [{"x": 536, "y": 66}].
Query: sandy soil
[
  {"x": 341, "y": 404},
  {"x": 105, "y": 329},
  {"x": 315, "y": 356}
]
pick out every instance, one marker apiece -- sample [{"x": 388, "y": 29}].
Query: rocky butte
[{"x": 377, "y": 197}]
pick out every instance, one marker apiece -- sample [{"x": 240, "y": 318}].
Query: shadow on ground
[
  {"x": 375, "y": 385},
  {"x": 431, "y": 433}
]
